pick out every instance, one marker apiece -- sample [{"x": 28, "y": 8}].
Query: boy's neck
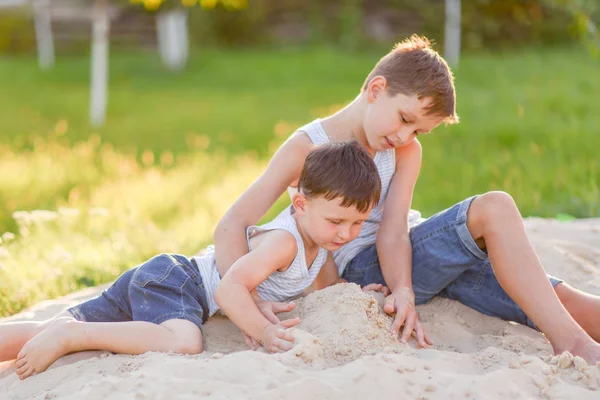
[
  {"x": 346, "y": 124},
  {"x": 309, "y": 244}
]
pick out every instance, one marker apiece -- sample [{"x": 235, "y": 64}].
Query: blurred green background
[{"x": 79, "y": 204}]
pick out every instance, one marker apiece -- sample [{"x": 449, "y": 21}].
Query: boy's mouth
[{"x": 387, "y": 141}]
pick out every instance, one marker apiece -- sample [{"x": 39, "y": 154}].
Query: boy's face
[
  {"x": 329, "y": 224},
  {"x": 395, "y": 121}
]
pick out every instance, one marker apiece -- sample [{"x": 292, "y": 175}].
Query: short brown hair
[
  {"x": 414, "y": 68},
  {"x": 341, "y": 169}
]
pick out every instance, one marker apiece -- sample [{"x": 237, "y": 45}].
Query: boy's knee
[
  {"x": 493, "y": 206},
  {"x": 186, "y": 337},
  {"x": 188, "y": 346}
]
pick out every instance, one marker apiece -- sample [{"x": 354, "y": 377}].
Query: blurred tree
[
  {"x": 452, "y": 32},
  {"x": 582, "y": 25},
  {"x": 172, "y": 25},
  {"x": 43, "y": 33}
]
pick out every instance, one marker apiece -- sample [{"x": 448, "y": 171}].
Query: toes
[
  {"x": 27, "y": 373},
  {"x": 20, "y": 363},
  {"x": 21, "y": 354},
  {"x": 22, "y": 370}
]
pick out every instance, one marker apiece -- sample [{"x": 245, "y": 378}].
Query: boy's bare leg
[
  {"x": 67, "y": 335},
  {"x": 14, "y": 335},
  {"x": 495, "y": 223},
  {"x": 583, "y": 307}
]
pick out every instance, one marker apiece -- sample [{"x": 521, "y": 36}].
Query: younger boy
[{"x": 162, "y": 304}]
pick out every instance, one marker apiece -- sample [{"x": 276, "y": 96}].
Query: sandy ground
[{"x": 344, "y": 350}]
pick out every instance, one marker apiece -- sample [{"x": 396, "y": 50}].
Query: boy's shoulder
[
  {"x": 279, "y": 243},
  {"x": 411, "y": 153}
]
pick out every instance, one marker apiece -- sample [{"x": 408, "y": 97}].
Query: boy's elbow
[
  {"x": 227, "y": 224},
  {"x": 219, "y": 295},
  {"x": 221, "y": 227}
]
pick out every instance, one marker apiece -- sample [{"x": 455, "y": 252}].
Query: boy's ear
[
  {"x": 299, "y": 202},
  {"x": 376, "y": 88}
]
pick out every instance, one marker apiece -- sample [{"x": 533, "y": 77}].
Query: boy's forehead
[
  {"x": 412, "y": 104},
  {"x": 334, "y": 208},
  {"x": 416, "y": 110}
]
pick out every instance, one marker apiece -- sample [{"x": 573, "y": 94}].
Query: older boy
[{"x": 476, "y": 252}]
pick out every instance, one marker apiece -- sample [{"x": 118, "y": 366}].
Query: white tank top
[
  {"x": 386, "y": 166},
  {"x": 279, "y": 286}
]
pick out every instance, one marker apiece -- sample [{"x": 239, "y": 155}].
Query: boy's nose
[
  {"x": 344, "y": 234},
  {"x": 405, "y": 136}
]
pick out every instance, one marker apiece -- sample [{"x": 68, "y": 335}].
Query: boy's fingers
[
  {"x": 385, "y": 290},
  {"x": 271, "y": 317},
  {"x": 286, "y": 335},
  {"x": 409, "y": 324},
  {"x": 282, "y": 345},
  {"x": 248, "y": 341},
  {"x": 290, "y": 323},
  {"x": 427, "y": 338},
  {"x": 282, "y": 307},
  {"x": 398, "y": 321},
  {"x": 389, "y": 306},
  {"x": 420, "y": 331},
  {"x": 375, "y": 287}
]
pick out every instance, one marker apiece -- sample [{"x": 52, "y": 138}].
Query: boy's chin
[{"x": 332, "y": 246}]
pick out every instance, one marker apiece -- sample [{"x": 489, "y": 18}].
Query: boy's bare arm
[
  {"x": 252, "y": 205},
  {"x": 394, "y": 247},
  {"x": 277, "y": 250},
  {"x": 393, "y": 243}
]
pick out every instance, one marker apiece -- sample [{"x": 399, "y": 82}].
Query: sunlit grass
[{"x": 130, "y": 213}]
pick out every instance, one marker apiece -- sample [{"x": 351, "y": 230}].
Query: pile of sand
[{"x": 344, "y": 350}]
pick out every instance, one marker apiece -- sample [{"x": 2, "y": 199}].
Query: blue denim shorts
[
  {"x": 167, "y": 286},
  {"x": 447, "y": 262}
]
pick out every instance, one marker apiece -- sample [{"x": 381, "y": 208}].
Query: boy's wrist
[
  {"x": 404, "y": 290},
  {"x": 255, "y": 296}
]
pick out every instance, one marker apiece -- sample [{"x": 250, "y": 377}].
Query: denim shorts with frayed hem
[
  {"x": 168, "y": 286},
  {"x": 447, "y": 262}
]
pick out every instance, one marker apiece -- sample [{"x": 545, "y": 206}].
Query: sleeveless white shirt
[{"x": 386, "y": 166}]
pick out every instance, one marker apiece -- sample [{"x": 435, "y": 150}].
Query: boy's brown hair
[
  {"x": 341, "y": 169},
  {"x": 414, "y": 68}
]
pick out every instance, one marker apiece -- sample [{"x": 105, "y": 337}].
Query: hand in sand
[
  {"x": 377, "y": 287},
  {"x": 402, "y": 303},
  {"x": 268, "y": 309},
  {"x": 276, "y": 338}
]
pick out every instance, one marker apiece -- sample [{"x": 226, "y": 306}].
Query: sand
[{"x": 344, "y": 350}]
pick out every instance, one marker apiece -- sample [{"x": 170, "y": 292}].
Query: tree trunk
[
  {"x": 43, "y": 33},
  {"x": 452, "y": 32},
  {"x": 99, "y": 62},
  {"x": 173, "y": 41}
]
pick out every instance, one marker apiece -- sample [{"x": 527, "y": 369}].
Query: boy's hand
[
  {"x": 250, "y": 341},
  {"x": 270, "y": 308},
  {"x": 376, "y": 287},
  {"x": 276, "y": 338},
  {"x": 402, "y": 302}
]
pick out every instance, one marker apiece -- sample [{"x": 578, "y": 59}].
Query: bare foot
[{"x": 46, "y": 347}]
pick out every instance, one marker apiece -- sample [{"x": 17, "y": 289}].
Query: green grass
[{"x": 177, "y": 149}]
